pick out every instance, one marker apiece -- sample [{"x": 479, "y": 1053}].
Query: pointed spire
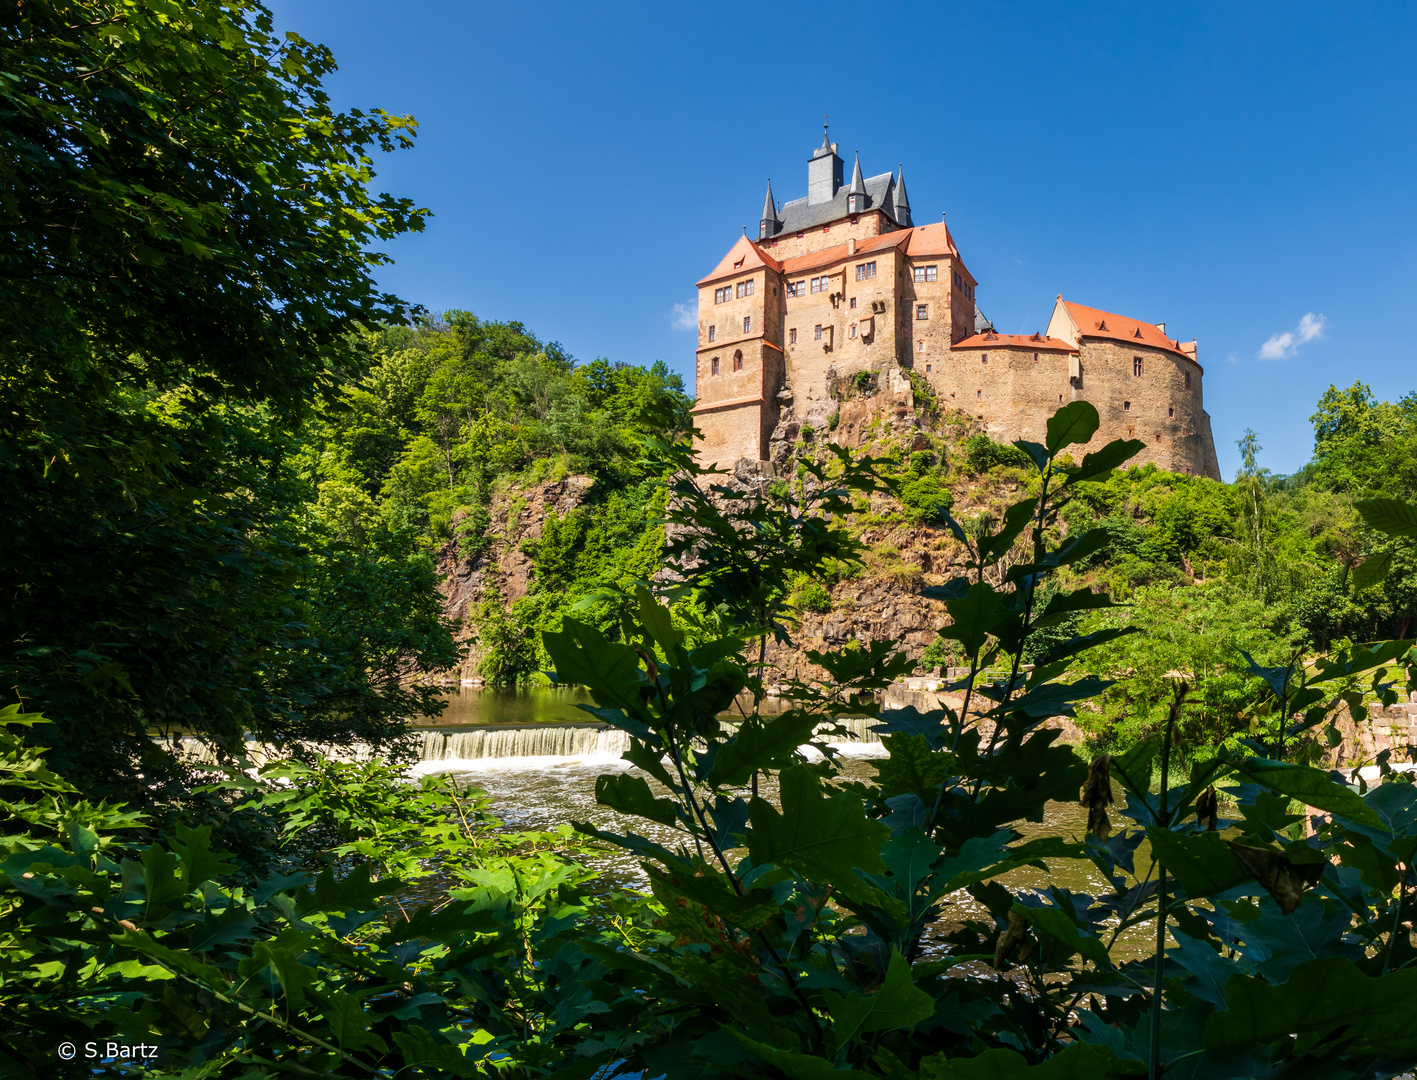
[
  {"x": 902, "y": 204},
  {"x": 858, "y": 185},
  {"x": 769, "y": 223},
  {"x": 769, "y": 207},
  {"x": 826, "y": 140}
]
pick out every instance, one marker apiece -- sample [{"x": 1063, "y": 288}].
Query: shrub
[
  {"x": 812, "y": 596},
  {"x": 982, "y": 453},
  {"x": 924, "y": 500},
  {"x": 864, "y": 381}
]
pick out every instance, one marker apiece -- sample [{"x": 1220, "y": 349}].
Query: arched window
[
  {"x": 738, "y": 360},
  {"x": 714, "y": 364}
]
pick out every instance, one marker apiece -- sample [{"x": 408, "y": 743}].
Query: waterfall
[{"x": 519, "y": 745}]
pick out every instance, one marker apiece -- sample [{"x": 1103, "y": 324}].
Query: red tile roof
[
  {"x": 1036, "y": 342},
  {"x": 922, "y": 241},
  {"x": 742, "y": 257},
  {"x": 1093, "y": 322}
]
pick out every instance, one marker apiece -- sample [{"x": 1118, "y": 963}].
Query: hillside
[{"x": 519, "y": 470}]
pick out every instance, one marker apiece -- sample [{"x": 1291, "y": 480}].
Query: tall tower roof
[
  {"x": 902, "y": 204},
  {"x": 769, "y": 207},
  {"x": 858, "y": 185}
]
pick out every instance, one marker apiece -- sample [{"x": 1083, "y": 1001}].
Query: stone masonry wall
[{"x": 786, "y": 245}]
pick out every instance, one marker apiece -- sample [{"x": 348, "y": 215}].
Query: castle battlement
[{"x": 842, "y": 281}]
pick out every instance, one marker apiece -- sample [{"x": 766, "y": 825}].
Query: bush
[
  {"x": 812, "y": 596},
  {"x": 924, "y": 500},
  {"x": 864, "y": 381},
  {"x": 982, "y": 453}
]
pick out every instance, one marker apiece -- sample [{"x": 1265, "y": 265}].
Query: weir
[{"x": 505, "y": 742}]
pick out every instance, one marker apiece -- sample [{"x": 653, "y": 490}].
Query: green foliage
[
  {"x": 166, "y": 573},
  {"x": 982, "y": 453}
]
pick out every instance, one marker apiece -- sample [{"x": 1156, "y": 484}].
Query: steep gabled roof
[
  {"x": 858, "y": 186},
  {"x": 813, "y": 260},
  {"x": 798, "y": 215},
  {"x": 1034, "y": 342},
  {"x": 1096, "y": 323},
  {"x": 742, "y": 257},
  {"x": 769, "y": 208},
  {"x": 926, "y": 240}
]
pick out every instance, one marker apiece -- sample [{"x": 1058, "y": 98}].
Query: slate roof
[{"x": 797, "y": 216}]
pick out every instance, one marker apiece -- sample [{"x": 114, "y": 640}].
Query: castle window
[
  {"x": 852, "y": 331},
  {"x": 1035, "y": 358},
  {"x": 959, "y": 281},
  {"x": 826, "y": 228},
  {"x": 1188, "y": 380},
  {"x": 919, "y": 346},
  {"x": 713, "y": 364},
  {"x": 979, "y": 393},
  {"x": 792, "y": 336},
  {"x": 799, "y": 236},
  {"x": 865, "y": 270},
  {"x": 985, "y": 358},
  {"x": 1131, "y": 431},
  {"x": 720, "y": 295},
  {"x": 853, "y": 301},
  {"x": 713, "y": 332},
  {"x": 796, "y": 288},
  {"x": 922, "y": 311},
  {"x": 819, "y": 331},
  {"x": 1158, "y": 436},
  {"x": 926, "y": 273},
  {"x": 738, "y": 360},
  {"x": 747, "y": 323},
  {"x": 853, "y": 221},
  {"x": 1171, "y": 411},
  {"x": 745, "y": 288},
  {"x": 1126, "y": 406},
  {"x": 1136, "y": 365},
  {"x": 819, "y": 284},
  {"x": 927, "y": 367}
]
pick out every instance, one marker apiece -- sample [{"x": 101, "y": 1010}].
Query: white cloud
[
  {"x": 684, "y": 316},
  {"x": 1282, "y": 346}
]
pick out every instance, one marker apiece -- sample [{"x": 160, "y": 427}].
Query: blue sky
[{"x": 1241, "y": 172}]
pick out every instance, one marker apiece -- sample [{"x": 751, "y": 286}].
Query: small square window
[
  {"x": 927, "y": 367},
  {"x": 747, "y": 323},
  {"x": 792, "y": 336},
  {"x": 1126, "y": 406},
  {"x": 853, "y": 221},
  {"x": 865, "y": 270},
  {"x": 800, "y": 235},
  {"x": 853, "y": 301},
  {"x": 1158, "y": 436},
  {"x": 826, "y": 228},
  {"x": 984, "y": 358},
  {"x": 922, "y": 311},
  {"x": 713, "y": 331},
  {"x": 932, "y": 273}
]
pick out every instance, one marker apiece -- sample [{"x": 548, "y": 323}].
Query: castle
[{"x": 843, "y": 282}]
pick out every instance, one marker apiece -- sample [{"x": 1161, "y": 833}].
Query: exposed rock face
[{"x": 501, "y": 568}]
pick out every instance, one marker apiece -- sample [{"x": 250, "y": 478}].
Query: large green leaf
[
  {"x": 1083, "y": 599},
  {"x": 825, "y": 838},
  {"x": 757, "y": 745},
  {"x": 1100, "y": 462},
  {"x": 1200, "y": 862},
  {"x": 1075, "y": 422},
  {"x": 609, "y": 669},
  {"x": 193, "y": 848},
  {"x": 1313, "y": 788},
  {"x": 1321, "y": 999},
  {"x": 631, "y": 795},
  {"x": 897, "y": 1006},
  {"x": 1055, "y": 923},
  {"x": 973, "y": 616},
  {"x": 1077, "y": 1062},
  {"x": 1372, "y": 570},
  {"x": 1390, "y": 516}
]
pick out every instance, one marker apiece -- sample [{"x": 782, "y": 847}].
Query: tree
[{"x": 185, "y": 260}]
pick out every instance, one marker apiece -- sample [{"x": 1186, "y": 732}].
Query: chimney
[
  {"x": 851, "y": 246},
  {"x": 1161, "y": 326}
]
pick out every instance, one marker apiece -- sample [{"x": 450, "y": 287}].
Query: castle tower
[{"x": 823, "y": 172}]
